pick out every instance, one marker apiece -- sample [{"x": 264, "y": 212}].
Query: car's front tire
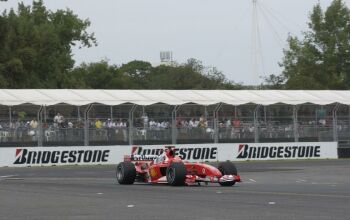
[
  {"x": 176, "y": 174},
  {"x": 126, "y": 173},
  {"x": 227, "y": 168}
]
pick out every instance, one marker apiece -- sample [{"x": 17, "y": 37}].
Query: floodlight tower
[{"x": 166, "y": 57}]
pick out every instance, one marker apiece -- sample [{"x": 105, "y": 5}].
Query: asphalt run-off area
[{"x": 318, "y": 189}]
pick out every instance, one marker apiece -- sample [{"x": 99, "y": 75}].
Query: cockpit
[
  {"x": 168, "y": 153},
  {"x": 160, "y": 158}
]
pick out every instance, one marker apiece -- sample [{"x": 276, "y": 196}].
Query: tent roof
[{"x": 11, "y": 97}]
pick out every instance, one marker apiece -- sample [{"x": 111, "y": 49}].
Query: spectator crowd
[{"x": 59, "y": 128}]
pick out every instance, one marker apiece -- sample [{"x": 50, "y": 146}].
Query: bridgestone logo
[
  {"x": 189, "y": 153},
  {"x": 25, "y": 156},
  {"x": 257, "y": 152}
]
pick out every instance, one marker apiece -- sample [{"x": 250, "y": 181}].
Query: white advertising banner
[
  {"x": 48, "y": 156},
  {"x": 284, "y": 151},
  {"x": 190, "y": 152}
]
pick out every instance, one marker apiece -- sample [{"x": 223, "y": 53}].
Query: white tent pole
[
  {"x": 216, "y": 123},
  {"x": 10, "y": 116},
  {"x": 173, "y": 124},
  {"x": 87, "y": 125},
  {"x": 256, "y": 124},
  {"x": 335, "y": 122},
  {"x": 40, "y": 127},
  {"x": 78, "y": 113},
  {"x": 131, "y": 124},
  {"x": 295, "y": 123},
  {"x": 111, "y": 113}
]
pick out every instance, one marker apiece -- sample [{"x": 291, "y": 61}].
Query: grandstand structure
[{"x": 46, "y": 117}]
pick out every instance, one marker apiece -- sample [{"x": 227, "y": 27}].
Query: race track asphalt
[{"x": 270, "y": 190}]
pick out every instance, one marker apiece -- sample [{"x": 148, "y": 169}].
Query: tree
[
  {"x": 93, "y": 75},
  {"x": 274, "y": 82},
  {"x": 321, "y": 60},
  {"x": 174, "y": 77},
  {"x": 190, "y": 75},
  {"x": 137, "y": 72},
  {"x": 36, "y": 44}
]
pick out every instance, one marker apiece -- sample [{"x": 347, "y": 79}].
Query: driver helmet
[{"x": 169, "y": 152}]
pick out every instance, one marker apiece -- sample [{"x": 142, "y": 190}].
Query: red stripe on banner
[
  {"x": 133, "y": 149},
  {"x": 18, "y": 151},
  {"x": 240, "y": 147}
]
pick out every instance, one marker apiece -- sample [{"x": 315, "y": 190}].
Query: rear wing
[{"x": 139, "y": 157}]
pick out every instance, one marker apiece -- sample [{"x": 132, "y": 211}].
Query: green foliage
[
  {"x": 35, "y": 46},
  {"x": 321, "y": 60},
  {"x": 274, "y": 82},
  {"x": 22, "y": 115},
  {"x": 191, "y": 75},
  {"x": 93, "y": 75},
  {"x": 141, "y": 75},
  {"x": 135, "y": 73}
]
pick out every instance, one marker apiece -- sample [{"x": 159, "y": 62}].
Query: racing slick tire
[
  {"x": 227, "y": 168},
  {"x": 176, "y": 174},
  {"x": 126, "y": 173}
]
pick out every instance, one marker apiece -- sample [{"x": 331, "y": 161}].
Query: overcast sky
[{"x": 217, "y": 32}]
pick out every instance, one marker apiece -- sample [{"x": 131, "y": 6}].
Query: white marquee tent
[{"x": 11, "y": 97}]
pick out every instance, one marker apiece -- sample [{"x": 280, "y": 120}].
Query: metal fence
[{"x": 60, "y": 125}]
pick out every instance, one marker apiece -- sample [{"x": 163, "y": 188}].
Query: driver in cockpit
[{"x": 167, "y": 153}]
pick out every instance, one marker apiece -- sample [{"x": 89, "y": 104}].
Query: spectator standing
[
  {"x": 58, "y": 120},
  {"x": 191, "y": 123},
  {"x": 55, "y": 120},
  {"x": 202, "y": 122},
  {"x": 236, "y": 123},
  {"x": 33, "y": 124},
  {"x": 123, "y": 126},
  {"x": 98, "y": 124},
  {"x": 70, "y": 124},
  {"x": 109, "y": 125},
  {"x": 145, "y": 119},
  {"x": 98, "y": 131},
  {"x": 227, "y": 123}
]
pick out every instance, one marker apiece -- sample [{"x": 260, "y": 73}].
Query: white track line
[{"x": 8, "y": 176}]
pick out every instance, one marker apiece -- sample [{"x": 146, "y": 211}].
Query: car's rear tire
[
  {"x": 126, "y": 173},
  {"x": 227, "y": 168},
  {"x": 176, "y": 174}
]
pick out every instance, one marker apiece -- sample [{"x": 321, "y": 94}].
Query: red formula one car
[{"x": 171, "y": 169}]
